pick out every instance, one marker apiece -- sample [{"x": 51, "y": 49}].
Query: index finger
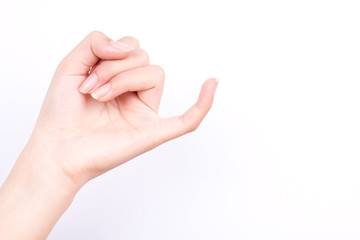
[{"x": 89, "y": 51}]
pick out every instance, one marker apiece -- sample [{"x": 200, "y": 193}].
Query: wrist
[
  {"x": 39, "y": 163},
  {"x": 36, "y": 192}
]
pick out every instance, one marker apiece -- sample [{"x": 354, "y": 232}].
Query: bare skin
[{"x": 90, "y": 122}]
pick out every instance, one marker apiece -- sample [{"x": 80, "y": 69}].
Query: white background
[{"x": 278, "y": 155}]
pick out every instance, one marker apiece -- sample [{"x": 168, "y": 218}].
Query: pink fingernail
[
  {"x": 89, "y": 83},
  {"x": 101, "y": 91},
  {"x": 216, "y": 82},
  {"x": 122, "y": 46}
]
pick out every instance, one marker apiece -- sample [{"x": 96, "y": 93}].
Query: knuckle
[
  {"x": 96, "y": 34},
  {"x": 193, "y": 127},
  {"x": 144, "y": 57},
  {"x": 189, "y": 126},
  {"x": 159, "y": 71},
  {"x": 132, "y": 39}
]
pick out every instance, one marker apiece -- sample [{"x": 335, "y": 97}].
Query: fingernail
[
  {"x": 101, "y": 91},
  {"x": 216, "y": 82},
  {"x": 89, "y": 83},
  {"x": 122, "y": 46}
]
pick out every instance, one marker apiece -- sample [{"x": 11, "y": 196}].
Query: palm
[
  {"x": 103, "y": 134},
  {"x": 124, "y": 123}
]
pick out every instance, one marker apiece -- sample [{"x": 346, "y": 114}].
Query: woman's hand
[
  {"x": 92, "y": 134},
  {"x": 100, "y": 111}
]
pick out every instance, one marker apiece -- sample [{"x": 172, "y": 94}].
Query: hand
[
  {"x": 89, "y": 124},
  {"x": 118, "y": 121}
]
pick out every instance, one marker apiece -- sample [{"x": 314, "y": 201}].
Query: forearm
[{"x": 33, "y": 197}]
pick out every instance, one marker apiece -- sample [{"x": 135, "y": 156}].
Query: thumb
[
  {"x": 177, "y": 126},
  {"x": 89, "y": 51}
]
